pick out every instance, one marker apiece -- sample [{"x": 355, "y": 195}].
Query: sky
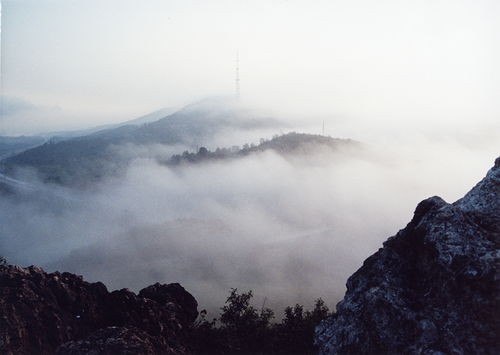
[{"x": 69, "y": 64}]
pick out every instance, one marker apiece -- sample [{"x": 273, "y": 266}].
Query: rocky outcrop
[
  {"x": 432, "y": 289},
  {"x": 42, "y": 313},
  {"x": 113, "y": 340}
]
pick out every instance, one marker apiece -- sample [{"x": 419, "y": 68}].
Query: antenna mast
[{"x": 237, "y": 80}]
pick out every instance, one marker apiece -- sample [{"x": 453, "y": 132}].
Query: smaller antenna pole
[
  {"x": 237, "y": 81},
  {"x": 323, "y": 127},
  {"x": 263, "y": 304}
]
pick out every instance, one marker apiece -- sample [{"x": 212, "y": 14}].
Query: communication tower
[{"x": 237, "y": 79}]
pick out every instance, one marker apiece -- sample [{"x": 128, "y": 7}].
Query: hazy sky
[
  {"x": 75, "y": 63},
  {"x": 365, "y": 67}
]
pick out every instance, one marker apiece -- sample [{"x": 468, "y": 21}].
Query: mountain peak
[{"x": 482, "y": 202}]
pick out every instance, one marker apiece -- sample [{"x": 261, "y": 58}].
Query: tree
[
  {"x": 246, "y": 328},
  {"x": 3, "y": 261},
  {"x": 202, "y": 151},
  {"x": 296, "y": 331}
]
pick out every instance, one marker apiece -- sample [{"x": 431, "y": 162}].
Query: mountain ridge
[{"x": 86, "y": 157}]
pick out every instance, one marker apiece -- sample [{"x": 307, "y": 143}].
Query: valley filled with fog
[{"x": 290, "y": 219}]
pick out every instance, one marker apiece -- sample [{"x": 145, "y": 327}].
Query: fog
[
  {"x": 290, "y": 227},
  {"x": 415, "y": 83}
]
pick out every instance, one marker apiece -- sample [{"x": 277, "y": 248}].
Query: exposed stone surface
[
  {"x": 113, "y": 340},
  {"x": 432, "y": 289},
  {"x": 175, "y": 296},
  {"x": 41, "y": 311}
]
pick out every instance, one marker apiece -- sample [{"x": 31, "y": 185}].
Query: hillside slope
[
  {"x": 298, "y": 144},
  {"x": 76, "y": 161},
  {"x": 14, "y": 145}
]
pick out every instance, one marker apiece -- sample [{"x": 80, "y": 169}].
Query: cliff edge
[{"x": 432, "y": 289}]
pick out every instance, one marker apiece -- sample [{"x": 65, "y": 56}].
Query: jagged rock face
[
  {"x": 432, "y": 289},
  {"x": 39, "y": 312}
]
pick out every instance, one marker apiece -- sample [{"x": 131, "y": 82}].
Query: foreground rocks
[
  {"x": 432, "y": 289},
  {"x": 43, "y": 313}
]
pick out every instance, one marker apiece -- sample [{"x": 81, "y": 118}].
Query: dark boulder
[
  {"x": 173, "y": 295},
  {"x": 41, "y": 311},
  {"x": 432, "y": 289}
]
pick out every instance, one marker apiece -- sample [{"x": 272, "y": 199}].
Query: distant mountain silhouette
[
  {"x": 79, "y": 160},
  {"x": 150, "y": 117},
  {"x": 14, "y": 145}
]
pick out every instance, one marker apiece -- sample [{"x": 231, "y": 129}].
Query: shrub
[{"x": 242, "y": 329}]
